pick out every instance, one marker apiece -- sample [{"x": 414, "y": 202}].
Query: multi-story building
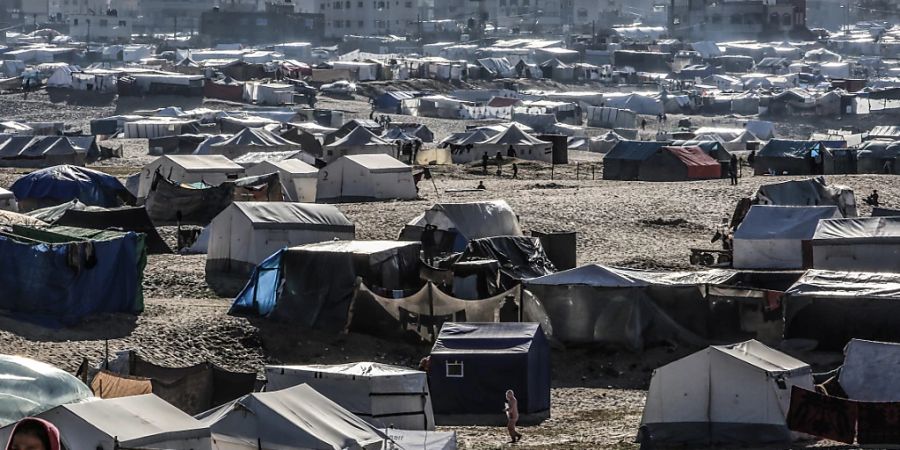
[
  {"x": 170, "y": 16},
  {"x": 369, "y": 17},
  {"x": 26, "y": 11},
  {"x": 277, "y": 24},
  {"x": 720, "y": 19},
  {"x": 100, "y": 27}
]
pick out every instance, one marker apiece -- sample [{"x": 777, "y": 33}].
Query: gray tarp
[
  {"x": 297, "y": 417},
  {"x": 834, "y": 307},
  {"x": 870, "y": 372},
  {"x": 198, "y": 206},
  {"x": 810, "y": 192}
]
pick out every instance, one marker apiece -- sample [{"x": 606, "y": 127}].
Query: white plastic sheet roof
[
  {"x": 29, "y": 387},
  {"x": 783, "y": 222},
  {"x": 858, "y": 227}
]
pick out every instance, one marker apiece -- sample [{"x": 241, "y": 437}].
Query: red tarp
[{"x": 699, "y": 165}]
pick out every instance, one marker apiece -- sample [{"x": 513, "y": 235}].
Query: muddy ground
[{"x": 598, "y": 394}]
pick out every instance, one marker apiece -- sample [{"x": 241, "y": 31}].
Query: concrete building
[
  {"x": 717, "y": 19},
  {"x": 25, "y": 11},
  {"x": 277, "y": 24},
  {"x": 100, "y": 27},
  {"x": 369, "y": 17},
  {"x": 168, "y": 16}
]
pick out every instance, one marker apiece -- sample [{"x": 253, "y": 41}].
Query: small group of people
[{"x": 485, "y": 160}]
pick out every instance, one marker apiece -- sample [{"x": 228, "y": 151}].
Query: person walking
[
  {"x": 512, "y": 416},
  {"x": 733, "y": 170},
  {"x": 515, "y": 169},
  {"x": 484, "y": 163}
]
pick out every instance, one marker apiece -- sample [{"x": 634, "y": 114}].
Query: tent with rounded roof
[
  {"x": 31, "y": 387},
  {"x": 252, "y": 140},
  {"x": 61, "y": 184}
]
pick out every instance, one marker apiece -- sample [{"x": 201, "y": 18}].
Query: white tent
[
  {"x": 771, "y": 237},
  {"x": 143, "y": 421},
  {"x": 298, "y": 178},
  {"x": 212, "y": 170},
  {"x": 380, "y": 394},
  {"x": 8, "y": 201},
  {"x": 737, "y": 394},
  {"x": 474, "y": 220},
  {"x": 525, "y": 145},
  {"x": 246, "y": 233},
  {"x": 859, "y": 244},
  {"x": 365, "y": 178},
  {"x": 293, "y": 418},
  {"x": 251, "y": 140},
  {"x": 359, "y": 141}
]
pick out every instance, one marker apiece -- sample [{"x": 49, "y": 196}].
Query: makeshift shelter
[
  {"x": 360, "y": 141},
  {"x": 351, "y": 125},
  {"x": 472, "y": 364},
  {"x": 679, "y": 164},
  {"x": 8, "y": 201},
  {"x": 784, "y": 157},
  {"x": 624, "y": 160},
  {"x": 46, "y": 151},
  {"x": 31, "y": 387},
  {"x": 860, "y": 244},
  {"x": 624, "y": 308},
  {"x": 252, "y": 140},
  {"x": 192, "y": 389},
  {"x": 61, "y": 184},
  {"x": 831, "y": 308},
  {"x": 519, "y": 257},
  {"x": 878, "y": 157},
  {"x": 809, "y": 192},
  {"x": 869, "y": 372},
  {"x": 365, "y": 178},
  {"x": 125, "y": 218},
  {"x": 211, "y": 170},
  {"x": 61, "y": 275},
  {"x": 318, "y": 280},
  {"x": 725, "y": 394},
  {"x": 246, "y": 233},
  {"x": 459, "y": 223},
  {"x": 297, "y": 417},
  {"x": 198, "y": 204},
  {"x": 771, "y": 237},
  {"x": 298, "y": 178},
  {"x": 144, "y": 421},
  {"x": 522, "y": 144},
  {"x": 382, "y": 395}
]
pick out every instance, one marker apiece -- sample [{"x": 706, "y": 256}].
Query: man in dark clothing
[
  {"x": 484, "y": 163},
  {"x": 515, "y": 168},
  {"x": 751, "y": 158},
  {"x": 733, "y": 170},
  {"x": 511, "y": 152},
  {"x": 872, "y": 199},
  {"x": 643, "y": 124},
  {"x": 429, "y": 244}
]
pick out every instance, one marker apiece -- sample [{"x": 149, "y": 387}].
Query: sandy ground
[{"x": 598, "y": 394}]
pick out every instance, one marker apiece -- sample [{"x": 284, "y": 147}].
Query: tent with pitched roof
[{"x": 359, "y": 141}]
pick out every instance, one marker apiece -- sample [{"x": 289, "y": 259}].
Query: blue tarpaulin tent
[
  {"x": 62, "y": 275},
  {"x": 474, "y": 364},
  {"x": 60, "y": 184}
]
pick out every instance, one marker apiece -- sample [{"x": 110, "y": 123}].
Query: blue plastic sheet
[
  {"x": 259, "y": 296},
  {"x": 66, "y": 183},
  {"x": 63, "y": 284}
]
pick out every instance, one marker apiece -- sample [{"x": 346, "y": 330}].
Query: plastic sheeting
[
  {"x": 520, "y": 257},
  {"x": 61, "y": 184},
  {"x": 770, "y": 237},
  {"x": 832, "y": 308},
  {"x": 870, "y": 372},
  {"x": 466, "y": 221},
  {"x": 810, "y": 192},
  {"x": 297, "y": 417},
  {"x": 869, "y": 244},
  {"x": 66, "y": 278},
  {"x": 422, "y": 313},
  {"x": 198, "y": 206},
  {"x": 77, "y": 214},
  {"x": 31, "y": 387}
]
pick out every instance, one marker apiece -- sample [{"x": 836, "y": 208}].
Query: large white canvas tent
[
  {"x": 143, "y": 421},
  {"x": 289, "y": 419},
  {"x": 360, "y": 141},
  {"x": 860, "y": 244},
  {"x": 728, "y": 394},
  {"x": 298, "y": 178},
  {"x": 246, "y": 233},
  {"x": 771, "y": 237},
  {"x": 365, "y": 178},
  {"x": 380, "y": 394},
  {"x": 525, "y": 145},
  {"x": 212, "y": 170}
]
